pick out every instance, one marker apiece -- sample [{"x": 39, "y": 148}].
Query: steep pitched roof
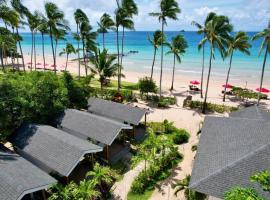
[
  {"x": 18, "y": 177},
  {"x": 54, "y": 148},
  {"x": 252, "y": 112},
  {"x": 118, "y": 111},
  {"x": 229, "y": 152},
  {"x": 91, "y": 126}
]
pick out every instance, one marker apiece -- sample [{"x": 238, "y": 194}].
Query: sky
[{"x": 246, "y": 15}]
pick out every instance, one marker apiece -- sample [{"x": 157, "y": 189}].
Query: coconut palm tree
[
  {"x": 7, "y": 43},
  {"x": 58, "y": 34},
  {"x": 79, "y": 17},
  {"x": 202, "y": 31},
  {"x": 265, "y": 34},
  {"x": 105, "y": 24},
  {"x": 103, "y": 65},
  {"x": 86, "y": 190},
  {"x": 69, "y": 49},
  {"x": 55, "y": 19},
  {"x": 241, "y": 43},
  {"x": 177, "y": 48},
  {"x": 217, "y": 32},
  {"x": 168, "y": 10},
  {"x": 189, "y": 193},
  {"x": 43, "y": 29},
  {"x": 156, "y": 42}
]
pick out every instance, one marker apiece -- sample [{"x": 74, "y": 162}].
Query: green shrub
[
  {"x": 243, "y": 93},
  {"x": 147, "y": 85},
  {"x": 165, "y": 102},
  {"x": 181, "y": 137},
  {"x": 109, "y": 94}
]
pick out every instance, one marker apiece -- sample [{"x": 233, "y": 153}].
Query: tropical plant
[
  {"x": 56, "y": 20},
  {"x": 241, "y": 43},
  {"x": 7, "y": 44},
  {"x": 168, "y": 10},
  {"x": 87, "y": 190},
  {"x": 189, "y": 193},
  {"x": 69, "y": 49},
  {"x": 177, "y": 48},
  {"x": 217, "y": 32},
  {"x": 105, "y": 24},
  {"x": 103, "y": 65},
  {"x": 147, "y": 85},
  {"x": 265, "y": 34},
  {"x": 202, "y": 31},
  {"x": 58, "y": 34},
  {"x": 43, "y": 29},
  {"x": 156, "y": 41}
]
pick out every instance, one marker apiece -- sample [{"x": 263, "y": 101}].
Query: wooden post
[
  {"x": 92, "y": 159},
  {"x": 133, "y": 131},
  {"x": 145, "y": 120},
  {"x": 107, "y": 152},
  {"x": 32, "y": 196},
  {"x": 43, "y": 195}
]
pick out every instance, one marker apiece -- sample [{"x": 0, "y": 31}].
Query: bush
[
  {"x": 147, "y": 85},
  {"x": 181, "y": 137},
  {"x": 109, "y": 94},
  {"x": 242, "y": 93}
]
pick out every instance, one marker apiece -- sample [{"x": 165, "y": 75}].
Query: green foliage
[
  {"x": 181, "y": 137},
  {"x": 161, "y": 102},
  {"x": 147, "y": 85},
  {"x": 239, "y": 193},
  {"x": 263, "y": 178},
  {"x": 211, "y": 107},
  {"x": 242, "y": 93}
]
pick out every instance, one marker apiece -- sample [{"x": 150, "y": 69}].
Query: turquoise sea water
[{"x": 246, "y": 67}]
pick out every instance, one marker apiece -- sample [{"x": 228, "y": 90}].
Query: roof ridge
[{"x": 229, "y": 165}]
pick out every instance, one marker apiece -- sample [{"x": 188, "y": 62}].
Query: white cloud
[{"x": 203, "y": 11}]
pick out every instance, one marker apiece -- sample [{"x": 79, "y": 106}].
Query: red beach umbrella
[
  {"x": 53, "y": 66},
  {"x": 228, "y": 86},
  {"x": 263, "y": 90},
  {"x": 195, "y": 82}
]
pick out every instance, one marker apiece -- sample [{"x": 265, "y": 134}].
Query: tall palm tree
[
  {"x": 189, "y": 194},
  {"x": 79, "y": 17},
  {"x": 105, "y": 24},
  {"x": 241, "y": 43},
  {"x": 177, "y": 48},
  {"x": 168, "y": 10},
  {"x": 58, "y": 34},
  {"x": 156, "y": 42},
  {"x": 43, "y": 29},
  {"x": 7, "y": 43},
  {"x": 217, "y": 32},
  {"x": 69, "y": 49},
  {"x": 103, "y": 65},
  {"x": 55, "y": 19},
  {"x": 265, "y": 34},
  {"x": 202, "y": 31}
]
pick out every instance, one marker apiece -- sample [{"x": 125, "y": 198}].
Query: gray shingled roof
[
  {"x": 56, "y": 149},
  {"x": 118, "y": 111},
  {"x": 90, "y": 126},
  {"x": 19, "y": 177},
  {"x": 229, "y": 152},
  {"x": 252, "y": 112}
]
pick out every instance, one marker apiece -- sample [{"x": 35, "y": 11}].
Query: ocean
[{"x": 246, "y": 67}]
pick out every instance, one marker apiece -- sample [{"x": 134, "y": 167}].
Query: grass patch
[
  {"x": 113, "y": 85},
  {"x": 145, "y": 196}
]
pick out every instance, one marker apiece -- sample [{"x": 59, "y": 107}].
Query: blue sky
[{"x": 247, "y": 15}]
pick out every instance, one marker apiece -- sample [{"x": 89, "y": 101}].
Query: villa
[{"x": 230, "y": 151}]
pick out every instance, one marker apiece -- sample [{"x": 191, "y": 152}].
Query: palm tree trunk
[
  {"x": 16, "y": 54},
  {"x": 207, "y": 84},
  {"x": 202, "y": 76},
  {"x": 43, "y": 51},
  {"x": 118, "y": 58},
  {"x": 20, "y": 46},
  {"x": 262, "y": 75},
  {"x": 51, "y": 37},
  {"x": 32, "y": 49},
  {"x": 227, "y": 79},
  {"x": 35, "y": 54},
  {"x": 55, "y": 50},
  {"x": 2, "y": 58},
  {"x": 66, "y": 62},
  {"x": 153, "y": 64},
  {"x": 79, "y": 62},
  {"x": 173, "y": 72},
  {"x": 122, "y": 53},
  {"x": 103, "y": 38},
  {"x": 84, "y": 57},
  {"x": 161, "y": 63}
]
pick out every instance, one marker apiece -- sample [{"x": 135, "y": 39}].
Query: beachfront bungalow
[
  {"x": 52, "y": 150},
  {"x": 229, "y": 152},
  {"x": 19, "y": 179},
  {"x": 121, "y": 112},
  {"x": 97, "y": 129}
]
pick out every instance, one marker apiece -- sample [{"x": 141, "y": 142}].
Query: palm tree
[
  {"x": 202, "y": 31},
  {"x": 86, "y": 190},
  {"x": 7, "y": 43},
  {"x": 79, "y": 17},
  {"x": 55, "y": 19},
  {"x": 241, "y": 43},
  {"x": 103, "y": 65},
  {"x": 106, "y": 23},
  {"x": 217, "y": 33},
  {"x": 168, "y": 10},
  {"x": 189, "y": 193},
  {"x": 156, "y": 42},
  {"x": 265, "y": 34},
  {"x": 177, "y": 48},
  {"x": 58, "y": 34},
  {"x": 69, "y": 49},
  {"x": 43, "y": 29}
]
